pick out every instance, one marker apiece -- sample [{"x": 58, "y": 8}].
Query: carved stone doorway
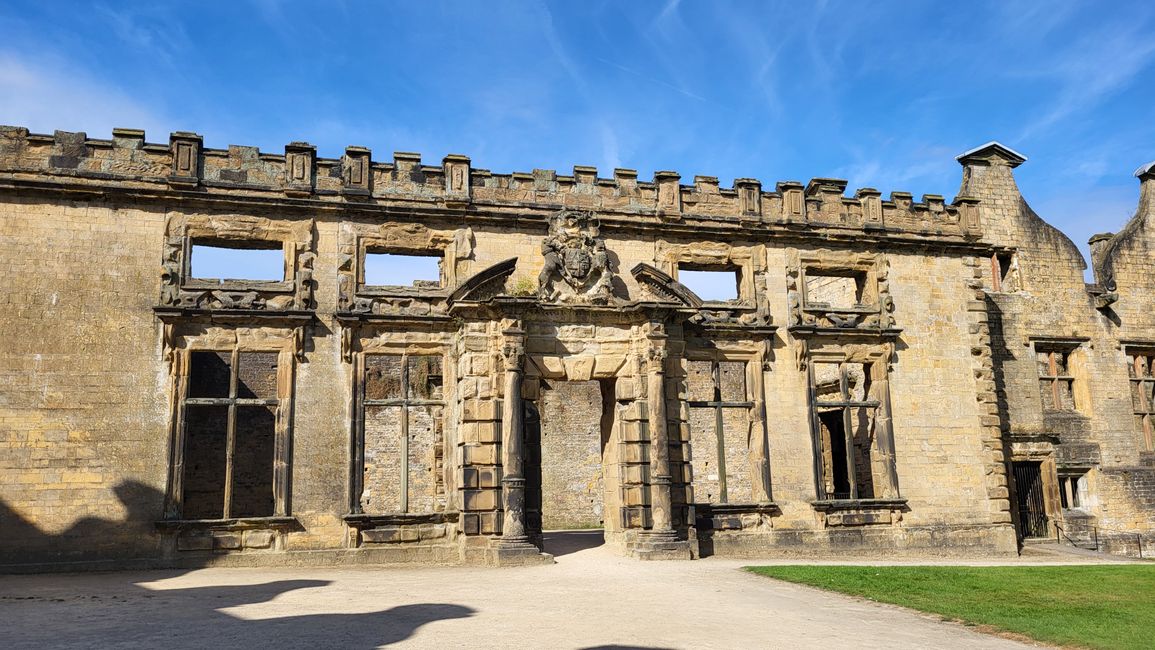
[{"x": 572, "y": 464}]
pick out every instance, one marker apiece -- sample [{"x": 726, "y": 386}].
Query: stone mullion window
[
  {"x": 1072, "y": 490},
  {"x": 398, "y": 387},
  {"x": 719, "y": 407},
  {"x": 1141, "y": 368},
  {"x": 240, "y": 396},
  {"x": 848, "y": 410},
  {"x": 1055, "y": 383}
]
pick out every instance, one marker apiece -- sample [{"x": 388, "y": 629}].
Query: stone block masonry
[{"x": 875, "y": 386}]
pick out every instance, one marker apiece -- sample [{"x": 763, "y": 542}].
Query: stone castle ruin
[{"x": 888, "y": 377}]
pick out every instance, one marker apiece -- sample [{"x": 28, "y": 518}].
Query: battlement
[{"x": 185, "y": 164}]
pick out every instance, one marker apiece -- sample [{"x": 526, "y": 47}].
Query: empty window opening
[
  {"x": 711, "y": 286},
  {"x": 1073, "y": 491},
  {"x": 251, "y": 260},
  {"x": 230, "y": 435},
  {"x": 1056, "y": 381},
  {"x": 402, "y": 436},
  {"x": 402, "y": 270},
  {"x": 845, "y": 417},
  {"x": 1141, "y": 369},
  {"x": 1005, "y": 272},
  {"x": 835, "y": 288},
  {"x": 719, "y": 424}
]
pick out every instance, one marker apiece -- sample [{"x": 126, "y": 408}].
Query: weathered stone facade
[{"x": 892, "y": 377}]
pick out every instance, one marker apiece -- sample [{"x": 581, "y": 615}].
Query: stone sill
[
  {"x": 823, "y": 309},
  {"x": 235, "y": 524},
  {"x": 362, "y": 521},
  {"x": 402, "y": 319},
  {"x": 860, "y": 512},
  {"x": 390, "y": 291},
  {"x": 729, "y": 516},
  {"x": 267, "y": 286},
  {"x": 176, "y": 314},
  {"x": 805, "y": 331},
  {"x": 765, "y": 508},
  {"x": 838, "y": 505},
  {"x": 401, "y": 528}
]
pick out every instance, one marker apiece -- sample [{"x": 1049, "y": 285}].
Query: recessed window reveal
[
  {"x": 247, "y": 261},
  {"x": 711, "y": 286},
  {"x": 402, "y": 270}
]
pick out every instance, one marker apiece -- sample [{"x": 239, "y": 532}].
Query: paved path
[{"x": 589, "y": 599}]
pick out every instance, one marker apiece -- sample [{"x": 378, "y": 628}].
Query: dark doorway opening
[
  {"x": 835, "y": 432},
  {"x": 1030, "y": 502}
]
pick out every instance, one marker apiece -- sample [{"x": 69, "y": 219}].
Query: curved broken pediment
[
  {"x": 484, "y": 284},
  {"x": 663, "y": 286}
]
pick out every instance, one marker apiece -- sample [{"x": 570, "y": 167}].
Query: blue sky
[{"x": 882, "y": 94}]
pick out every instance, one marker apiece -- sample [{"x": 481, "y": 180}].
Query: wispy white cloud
[
  {"x": 1099, "y": 64},
  {"x": 651, "y": 79},
  {"x": 44, "y": 94},
  {"x": 611, "y": 156},
  {"x": 153, "y": 32}
]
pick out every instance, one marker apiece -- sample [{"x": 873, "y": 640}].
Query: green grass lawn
[{"x": 1083, "y": 606}]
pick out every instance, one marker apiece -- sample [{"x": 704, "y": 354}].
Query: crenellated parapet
[{"x": 184, "y": 164}]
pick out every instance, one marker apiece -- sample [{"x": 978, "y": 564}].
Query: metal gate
[{"x": 1032, "y": 508}]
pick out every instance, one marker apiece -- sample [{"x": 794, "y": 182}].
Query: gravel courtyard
[{"x": 589, "y": 599}]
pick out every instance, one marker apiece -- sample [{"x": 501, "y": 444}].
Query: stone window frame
[
  {"x": 746, "y": 260},
  {"x": 864, "y": 272},
  {"x": 1073, "y": 361},
  {"x": 293, "y": 293},
  {"x": 1141, "y": 381},
  {"x": 285, "y": 285},
  {"x": 370, "y": 246},
  {"x": 235, "y": 342},
  {"x": 739, "y": 272},
  {"x": 879, "y": 357},
  {"x": 403, "y": 349},
  {"x": 355, "y": 238},
  {"x": 751, "y": 363},
  {"x": 809, "y": 317},
  {"x": 1012, "y": 280},
  {"x": 1073, "y": 488}
]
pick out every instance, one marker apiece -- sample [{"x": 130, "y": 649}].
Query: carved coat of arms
[{"x": 576, "y": 267}]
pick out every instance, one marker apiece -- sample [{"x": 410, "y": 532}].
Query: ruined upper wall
[
  {"x": 184, "y": 164},
  {"x": 1125, "y": 261}
]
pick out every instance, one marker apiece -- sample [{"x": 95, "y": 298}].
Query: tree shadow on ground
[{"x": 98, "y": 610}]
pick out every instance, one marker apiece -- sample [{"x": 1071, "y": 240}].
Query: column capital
[{"x": 655, "y": 357}]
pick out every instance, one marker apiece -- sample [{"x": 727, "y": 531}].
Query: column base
[
  {"x": 661, "y": 545},
  {"x": 515, "y": 551}
]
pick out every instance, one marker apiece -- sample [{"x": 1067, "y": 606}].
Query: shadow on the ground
[
  {"x": 102, "y": 613},
  {"x": 116, "y": 610},
  {"x": 625, "y": 647},
  {"x": 564, "y": 542}
]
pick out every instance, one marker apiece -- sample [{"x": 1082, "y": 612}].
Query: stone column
[
  {"x": 759, "y": 443},
  {"x": 661, "y": 541},
  {"x": 660, "y": 480},
  {"x": 513, "y": 436},
  {"x": 883, "y": 429}
]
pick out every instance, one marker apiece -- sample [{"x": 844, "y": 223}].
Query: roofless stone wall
[
  {"x": 888, "y": 377},
  {"x": 298, "y": 173}
]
